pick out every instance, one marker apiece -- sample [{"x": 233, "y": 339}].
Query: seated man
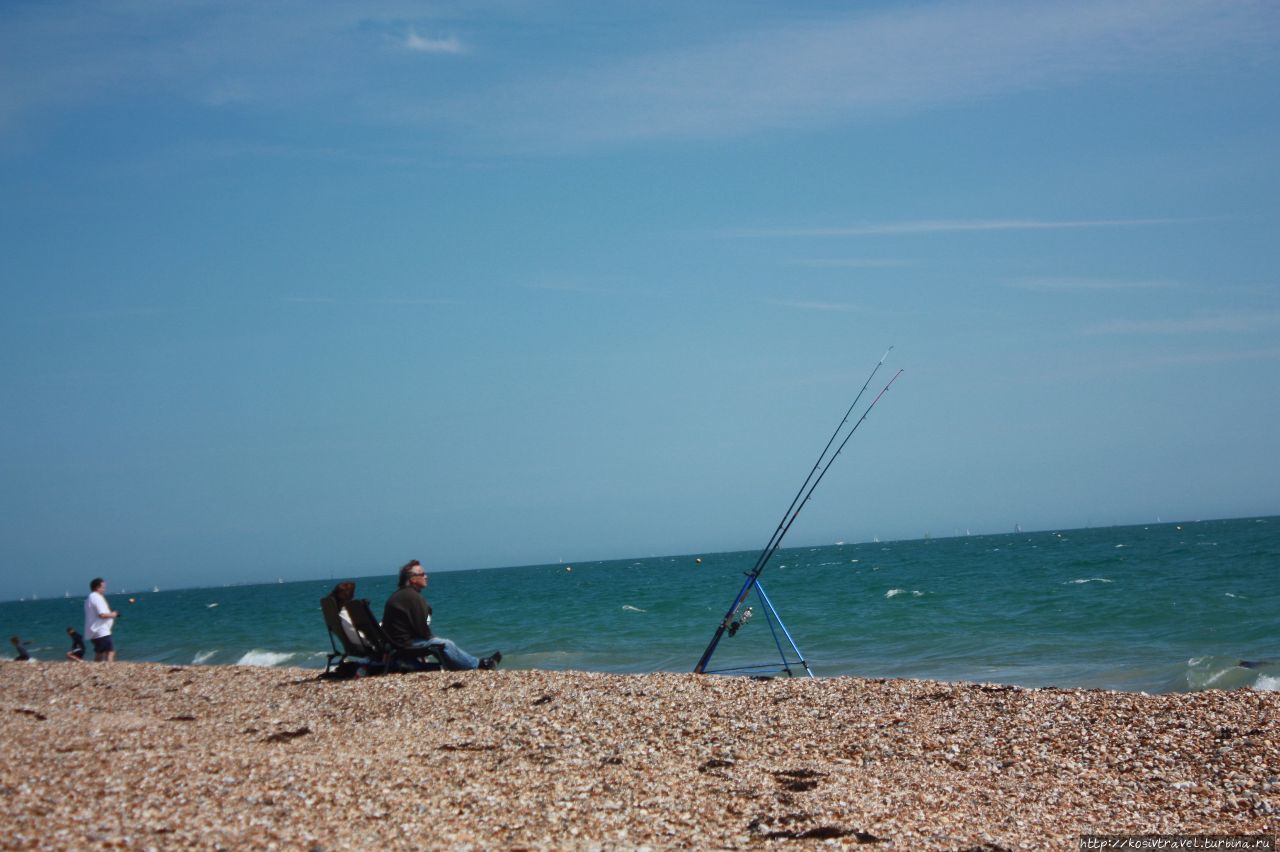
[{"x": 407, "y": 621}]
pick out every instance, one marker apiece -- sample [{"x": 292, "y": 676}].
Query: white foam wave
[
  {"x": 211, "y": 606},
  {"x": 263, "y": 658},
  {"x": 630, "y": 608},
  {"x": 1214, "y": 678},
  {"x": 1267, "y": 683},
  {"x": 893, "y": 593},
  {"x": 202, "y": 657},
  {"x": 1089, "y": 580}
]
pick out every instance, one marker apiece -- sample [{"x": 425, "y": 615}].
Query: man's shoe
[{"x": 491, "y": 661}]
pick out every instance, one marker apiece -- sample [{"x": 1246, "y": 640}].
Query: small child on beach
[{"x": 76, "y": 654}]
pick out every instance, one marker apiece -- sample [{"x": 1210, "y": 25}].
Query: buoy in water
[
  {"x": 698, "y": 560},
  {"x": 568, "y": 567},
  {"x": 131, "y": 600}
]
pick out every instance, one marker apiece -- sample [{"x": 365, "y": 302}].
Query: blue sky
[{"x": 305, "y": 289}]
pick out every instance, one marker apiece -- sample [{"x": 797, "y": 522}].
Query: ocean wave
[
  {"x": 630, "y": 608},
  {"x": 1090, "y": 580},
  {"x": 893, "y": 593},
  {"x": 264, "y": 658},
  {"x": 203, "y": 657},
  {"x": 1218, "y": 672}
]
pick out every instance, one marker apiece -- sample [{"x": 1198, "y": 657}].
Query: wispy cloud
[
  {"x": 850, "y": 263},
  {"x": 568, "y": 287},
  {"x": 286, "y": 57},
  {"x": 779, "y": 70},
  {"x": 425, "y": 44},
  {"x": 416, "y": 301},
  {"x": 1071, "y": 284},
  {"x": 330, "y": 300},
  {"x": 1237, "y": 322},
  {"x": 816, "y": 71},
  {"x": 951, "y": 226},
  {"x": 1191, "y": 359},
  {"x": 839, "y": 307}
]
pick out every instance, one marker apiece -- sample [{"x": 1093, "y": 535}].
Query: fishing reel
[{"x": 741, "y": 622}]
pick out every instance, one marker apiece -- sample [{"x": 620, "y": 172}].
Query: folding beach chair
[
  {"x": 405, "y": 658},
  {"x": 354, "y": 655}
]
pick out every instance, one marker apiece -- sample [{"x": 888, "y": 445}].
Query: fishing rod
[
  {"x": 793, "y": 511},
  {"x": 780, "y": 531}
]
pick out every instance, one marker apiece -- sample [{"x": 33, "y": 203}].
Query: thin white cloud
[
  {"x": 951, "y": 226},
  {"x": 1231, "y": 323},
  {"x": 850, "y": 263},
  {"x": 767, "y": 69},
  {"x": 416, "y": 302},
  {"x": 566, "y": 287},
  {"x": 838, "y": 307},
  {"x": 1074, "y": 284},
  {"x": 1191, "y": 359},
  {"x": 329, "y": 300},
  {"x": 900, "y": 58},
  {"x": 425, "y": 44}
]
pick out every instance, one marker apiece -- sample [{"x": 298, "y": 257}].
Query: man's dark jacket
[{"x": 405, "y": 617}]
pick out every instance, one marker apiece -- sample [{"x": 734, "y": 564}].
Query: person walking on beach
[
  {"x": 98, "y": 621},
  {"x": 76, "y": 654},
  {"x": 23, "y": 656},
  {"x": 406, "y": 618}
]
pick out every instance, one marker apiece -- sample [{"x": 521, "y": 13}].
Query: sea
[{"x": 1163, "y": 607}]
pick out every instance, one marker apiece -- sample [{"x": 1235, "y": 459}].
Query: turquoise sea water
[{"x": 1157, "y": 608}]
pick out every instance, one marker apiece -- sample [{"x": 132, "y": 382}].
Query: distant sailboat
[
  {"x": 1017, "y": 528},
  {"x": 155, "y": 588}
]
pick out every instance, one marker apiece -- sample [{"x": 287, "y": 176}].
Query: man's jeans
[{"x": 451, "y": 656}]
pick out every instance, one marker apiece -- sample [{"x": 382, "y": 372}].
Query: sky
[{"x": 296, "y": 289}]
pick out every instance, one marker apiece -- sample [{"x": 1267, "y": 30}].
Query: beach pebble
[{"x": 242, "y": 757}]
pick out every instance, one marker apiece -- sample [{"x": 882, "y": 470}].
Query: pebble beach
[{"x": 142, "y": 756}]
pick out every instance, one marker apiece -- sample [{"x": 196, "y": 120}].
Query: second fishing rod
[{"x": 797, "y": 504}]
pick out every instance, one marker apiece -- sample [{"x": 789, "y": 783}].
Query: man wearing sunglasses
[{"x": 406, "y": 618}]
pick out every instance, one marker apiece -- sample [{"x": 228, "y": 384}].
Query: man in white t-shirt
[{"x": 98, "y": 620}]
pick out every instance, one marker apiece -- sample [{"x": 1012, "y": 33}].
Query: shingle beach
[{"x": 151, "y": 756}]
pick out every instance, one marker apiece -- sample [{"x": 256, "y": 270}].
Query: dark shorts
[
  {"x": 78, "y": 651},
  {"x": 103, "y": 645}
]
